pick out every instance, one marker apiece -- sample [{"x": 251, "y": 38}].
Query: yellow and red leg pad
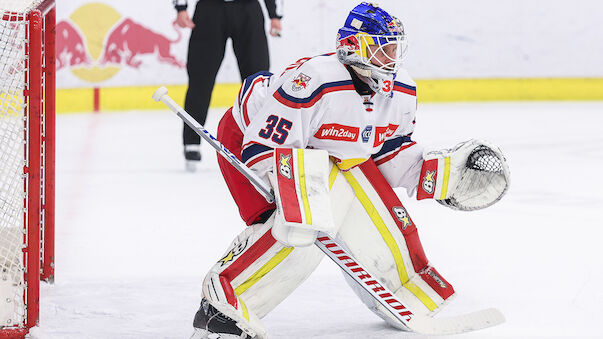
[
  {"x": 408, "y": 229},
  {"x": 380, "y": 234},
  {"x": 255, "y": 274}
]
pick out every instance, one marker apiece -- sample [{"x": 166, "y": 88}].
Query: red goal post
[{"x": 27, "y": 157}]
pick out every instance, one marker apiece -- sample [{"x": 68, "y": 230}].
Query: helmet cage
[{"x": 384, "y": 53}]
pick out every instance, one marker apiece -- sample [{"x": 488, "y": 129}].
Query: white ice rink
[{"x": 136, "y": 233}]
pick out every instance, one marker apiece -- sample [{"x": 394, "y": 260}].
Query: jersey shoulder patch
[{"x": 313, "y": 79}]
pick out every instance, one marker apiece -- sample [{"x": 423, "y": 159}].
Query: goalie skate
[{"x": 210, "y": 323}]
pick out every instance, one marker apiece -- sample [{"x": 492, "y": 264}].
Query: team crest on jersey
[
  {"x": 429, "y": 182},
  {"x": 366, "y": 134},
  {"x": 284, "y": 166},
  {"x": 300, "y": 82},
  {"x": 234, "y": 252},
  {"x": 402, "y": 216}
]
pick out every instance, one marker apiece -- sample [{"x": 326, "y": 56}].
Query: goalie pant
[
  {"x": 257, "y": 272},
  {"x": 252, "y": 205}
]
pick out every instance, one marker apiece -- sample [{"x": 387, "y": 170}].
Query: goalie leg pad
[
  {"x": 381, "y": 235},
  {"x": 301, "y": 185},
  {"x": 255, "y": 274}
]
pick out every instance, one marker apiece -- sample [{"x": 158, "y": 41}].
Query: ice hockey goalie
[{"x": 332, "y": 134}]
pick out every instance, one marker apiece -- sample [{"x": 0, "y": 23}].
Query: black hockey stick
[{"x": 331, "y": 247}]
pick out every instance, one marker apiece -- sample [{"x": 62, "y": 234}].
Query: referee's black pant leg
[
  {"x": 249, "y": 39},
  {"x": 205, "y": 54}
]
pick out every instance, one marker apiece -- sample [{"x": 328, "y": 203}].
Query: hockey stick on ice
[{"x": 417, "y": 323}]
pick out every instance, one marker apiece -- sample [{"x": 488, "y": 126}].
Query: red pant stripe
[{"x": 251, "y": 204}]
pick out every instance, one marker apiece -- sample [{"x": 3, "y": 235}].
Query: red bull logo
[
  {"x": 350, "y": 42},
  {"x": 395, "y": 26},
  {"x": 96, "y": 42},
  {"x": 71, "y": 48},
  {"x": 129, "y": 40},
  {"x": 300, "y": 82}
]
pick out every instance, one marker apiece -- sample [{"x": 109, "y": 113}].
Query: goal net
[{"x": 27, "y": 102}]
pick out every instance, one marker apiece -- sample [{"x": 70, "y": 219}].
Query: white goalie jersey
[
  {"x": 314, "y": 104},
  {"x": 309, "y": 132}
]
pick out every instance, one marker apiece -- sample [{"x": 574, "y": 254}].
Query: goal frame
[{"x": 39, "y": 168}]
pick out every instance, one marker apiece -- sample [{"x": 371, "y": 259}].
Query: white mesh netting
[
  {"x": 20, "y": 6},
  {"x": 12, "y": 161}
]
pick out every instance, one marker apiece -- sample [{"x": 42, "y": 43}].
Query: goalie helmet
[{"x": 372, "y": 41}]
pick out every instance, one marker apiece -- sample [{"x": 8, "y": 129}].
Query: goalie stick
[{"x": 417, "y": 323}]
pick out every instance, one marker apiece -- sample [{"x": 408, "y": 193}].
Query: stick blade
[{"x": 458, "y": 324}]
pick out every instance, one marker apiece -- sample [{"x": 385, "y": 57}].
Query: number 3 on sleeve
[{"x": 278, "y": 134}]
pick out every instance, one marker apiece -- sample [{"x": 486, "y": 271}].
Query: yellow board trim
[
  {"x": 75, "y": 100},
  {"x": 428, "y": 90},
  {"x": 390, "y": 241},
  {"x": 302, "y": 185},
  {"x": 254, "y": 278},
  {"x": 446, "y": 178},
  {"x": 510, "y": 89}
]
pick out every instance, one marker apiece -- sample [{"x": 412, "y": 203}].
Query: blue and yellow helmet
[{"x": 372, "y": 39}]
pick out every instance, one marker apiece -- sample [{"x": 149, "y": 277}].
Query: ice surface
[{"x": 136, "y": 233}]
